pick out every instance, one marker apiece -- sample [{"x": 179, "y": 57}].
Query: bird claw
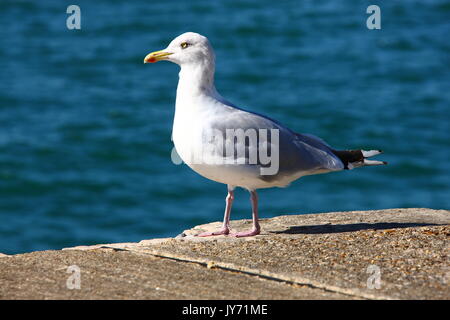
[
  {"x": 249, "y": 233},
  {"x": 226, "y": 231}
]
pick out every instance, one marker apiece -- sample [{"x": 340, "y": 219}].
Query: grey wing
[
  {"x": 320, "y": 151},
  {"x": 297, "y": 153}
]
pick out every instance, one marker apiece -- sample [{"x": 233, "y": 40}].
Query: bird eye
[{"x": 184, "y": 45}]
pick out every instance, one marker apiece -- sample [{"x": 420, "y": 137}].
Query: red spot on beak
[{"x": 151, "y": 60}]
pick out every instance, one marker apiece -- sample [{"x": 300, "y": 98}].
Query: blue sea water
[{"x": 85, "y": 126}]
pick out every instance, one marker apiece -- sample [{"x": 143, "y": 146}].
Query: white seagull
[{"x": 206, "y": 124}]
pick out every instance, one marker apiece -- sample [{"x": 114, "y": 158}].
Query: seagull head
[{"x": 190, "y": 48}]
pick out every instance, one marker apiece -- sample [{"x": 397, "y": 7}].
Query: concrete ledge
[{"x": 339, "y": 255}]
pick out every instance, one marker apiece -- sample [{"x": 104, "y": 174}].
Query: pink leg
[
  {"x": 256, "y": 228},
  {"x": 226, "y": 218}
]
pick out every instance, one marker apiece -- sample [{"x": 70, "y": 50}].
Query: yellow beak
[{"x": 156, "y": 56}]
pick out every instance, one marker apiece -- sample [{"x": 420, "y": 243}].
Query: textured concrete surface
[
  {"x": 339, "y": 255},
  {"x": 111, "y": 274}
]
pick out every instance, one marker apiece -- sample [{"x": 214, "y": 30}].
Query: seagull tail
[{"x": 358, "y": 158}]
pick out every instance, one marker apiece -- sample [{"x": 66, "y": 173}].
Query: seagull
[{"x": 230, "y": 145}]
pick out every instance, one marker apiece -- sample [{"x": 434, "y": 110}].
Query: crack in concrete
[{"x": 357, "y": 293}]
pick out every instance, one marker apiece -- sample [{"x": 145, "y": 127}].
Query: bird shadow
[{"x": 338, "y": 228}]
